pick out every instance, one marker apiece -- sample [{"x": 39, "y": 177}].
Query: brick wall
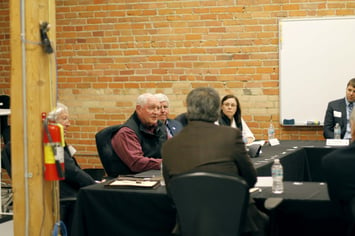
[
  {"x": 109, "y": 52},
  {"x": 4, "y": 48},
  {"x": 4, "y": 59}
]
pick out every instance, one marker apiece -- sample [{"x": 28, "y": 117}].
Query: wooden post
[{"x": 33, "y": 90}]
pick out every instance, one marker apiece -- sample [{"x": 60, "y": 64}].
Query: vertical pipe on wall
[{"x": 24, "y": 108}]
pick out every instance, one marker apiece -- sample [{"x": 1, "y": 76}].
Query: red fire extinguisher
[{"x": 53, "y": 143}]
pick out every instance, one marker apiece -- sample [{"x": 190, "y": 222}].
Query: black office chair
[
  {"x": 209, "y": 204},
  {"x": 4, "y": 125},
  {"x": 112, "y": 164},
  {"x": 351, "y": 211},
  {"x": 182, "y": 118},
  {"x": 67, "y": 206},
  {"x": 96, "y": 173}
]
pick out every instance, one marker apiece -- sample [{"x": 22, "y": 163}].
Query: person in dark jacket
[
  {"x": 172, "y": 126},
  {"x": 338, "y": 111},
  {"x": 338, "y": 167},
  {"x": 204, "y": 146},
  {"x": 75, "y": 177},
  {"x": 137, "y": 143}
]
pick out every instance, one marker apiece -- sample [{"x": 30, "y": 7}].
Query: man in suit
[
  {"x": 204, "y": 146},
  {"x": 138, "y": 141},
  {"x": 75, "y": 177},
  {"x": 338, "y": 168},
  {"x": 338, "y": 111},
  {"x": 172, "y": 126}
]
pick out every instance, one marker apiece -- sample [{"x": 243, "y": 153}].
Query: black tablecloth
[
  {"x": 301, "y": 160},
  {"x": 102, "y": 211},
  {"x": 305, "y": 210}
]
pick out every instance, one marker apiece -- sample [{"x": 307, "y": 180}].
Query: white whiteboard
[{"x": 317, "y": 59}]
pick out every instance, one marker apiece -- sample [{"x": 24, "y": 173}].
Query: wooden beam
[{"x": 33, "y": 91}]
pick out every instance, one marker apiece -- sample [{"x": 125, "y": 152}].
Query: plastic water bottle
[
  {"x": 271, "y": 131},
  {"x": 277, "y": 177},
  {"x": 337, "y": 131}
]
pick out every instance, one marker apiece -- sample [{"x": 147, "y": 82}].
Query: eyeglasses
[{"x": 229, "y": 104}]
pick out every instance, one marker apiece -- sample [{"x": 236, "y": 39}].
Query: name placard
[
  {"x": 337, "y": 142},
  {"x": 274, "y": 142}
]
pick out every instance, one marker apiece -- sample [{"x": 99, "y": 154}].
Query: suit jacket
[
  {"x": 174, "y": 126},
  {"x": 331, "y": 118},
  {"x": 75, "y": 177},
  {"x": 203, "y": 146},
  {"x": 338, "y": 167}
]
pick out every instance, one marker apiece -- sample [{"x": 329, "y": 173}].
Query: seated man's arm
[
  {"x": 74, "y": 174},
  {"x": 328, "y": 123},
  {"x": 127, "y": 146}
]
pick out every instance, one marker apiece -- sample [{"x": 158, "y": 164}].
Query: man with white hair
[
  {"x": 137, "y": 143},
  {"x": 172, "y": 126}
]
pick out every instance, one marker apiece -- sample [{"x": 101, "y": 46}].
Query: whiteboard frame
[{"x": 304, "y": 96}]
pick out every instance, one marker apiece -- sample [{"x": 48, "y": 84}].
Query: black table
[
  {"x": 305, "y": 210},
  {"x": 106, "y": 211},
  {"x": 102, "y": 211},
  {"x": 301, "y": 160}
]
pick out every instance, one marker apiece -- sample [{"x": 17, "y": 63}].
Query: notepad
[{"x": 133, "y": 183}]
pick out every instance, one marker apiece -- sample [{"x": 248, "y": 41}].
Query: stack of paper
[{"x": 133, "y": 182}]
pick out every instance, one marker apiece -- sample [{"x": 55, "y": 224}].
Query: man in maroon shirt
[{"x": 138, "y": 141}]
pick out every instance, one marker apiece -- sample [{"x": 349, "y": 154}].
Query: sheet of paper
[
  {"x": 133, "y": 183},
  {"x": 264, "y": 181},
  {"x": 261, "y": 142}
]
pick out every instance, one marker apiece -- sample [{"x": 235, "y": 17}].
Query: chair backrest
[
  {"x": 112, "y": 163},
  {"x": 351, "y": 227},
  {"x": 209, "y": 204}
]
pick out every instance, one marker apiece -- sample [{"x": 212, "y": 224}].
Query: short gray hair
[
  {"x": 162, "y": 97},
  {"x": 53, "y": 115},
  {"x": 143, "y": 99},
  {"x": 203, "y": 104}
]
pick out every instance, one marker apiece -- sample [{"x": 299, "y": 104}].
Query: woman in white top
[{"x": 231, "y": 115}]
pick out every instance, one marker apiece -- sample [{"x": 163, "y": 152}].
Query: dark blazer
[
  {"x": 338, "y": 168},
  {"x": 330, "y": 120},
  {"x": 174, "y": 126},
  {"x": 203, "y": 146},
  {"x": 75, "y": 177}
]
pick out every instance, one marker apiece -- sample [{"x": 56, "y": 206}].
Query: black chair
[
  {"x": 96, "y": 173},
  {"x": 182, "y": 118},
  {"x": 4, "y": 125},
  {"x": 67, "y": 206},
  {"x": 209, "y": 204},
  {"x": 112, "y": 164},
  {"x": 351, "y": 217}
]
